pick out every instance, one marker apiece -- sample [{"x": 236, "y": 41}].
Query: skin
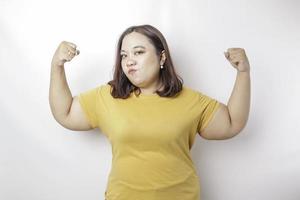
[
  {"x": 137, "y": 52},
  {"x": 230, "y": 119}
]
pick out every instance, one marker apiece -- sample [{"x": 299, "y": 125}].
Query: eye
[
  {"x": 136, "y": 53},
  {"x": 139, "y": 52}
]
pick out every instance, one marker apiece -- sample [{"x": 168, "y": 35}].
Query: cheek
[
  {"x": 150, "y": 69},
  {"x": 122, "y": 64},
  {"x": 152, "y": 60},
  {"x": 148, "y": 63}
]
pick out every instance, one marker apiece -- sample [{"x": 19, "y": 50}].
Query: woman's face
[{"x": 139, "y": 54}]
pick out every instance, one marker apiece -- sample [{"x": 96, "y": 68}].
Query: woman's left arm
[
  {"x": 231, "y": 119},
  {"x": 239, "y": 102}
]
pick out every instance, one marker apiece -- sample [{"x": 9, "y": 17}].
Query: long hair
[{"x": 121, "y": 87}]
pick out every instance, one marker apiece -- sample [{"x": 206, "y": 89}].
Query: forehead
[{"x": 135, "y": 39}]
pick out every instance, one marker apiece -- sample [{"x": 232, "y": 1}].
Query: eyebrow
[{"x": 136, "y": 47}]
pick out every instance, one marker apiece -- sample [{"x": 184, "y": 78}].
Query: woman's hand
[
  {"x": 238, "y": 59},
  {"x": 65, "y": 52}
]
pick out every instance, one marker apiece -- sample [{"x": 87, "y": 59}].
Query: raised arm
[
  {"x": 65, "y": 109},
  {"x": 231, "y": 119}
]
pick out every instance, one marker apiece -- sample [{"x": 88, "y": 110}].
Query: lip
[{"x": 132, "y": 71}]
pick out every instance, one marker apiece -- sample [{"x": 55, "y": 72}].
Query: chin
[{"x": 135, "y": 82}]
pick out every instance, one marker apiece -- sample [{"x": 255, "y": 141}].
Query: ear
[{"x": 163, "y": 57}]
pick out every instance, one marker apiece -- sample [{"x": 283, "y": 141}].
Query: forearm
[
  {"x": 60, "y": 97},
  {"x": 239, "y": 102}
]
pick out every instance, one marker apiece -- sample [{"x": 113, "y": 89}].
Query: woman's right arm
[{"x": 65, "y": 109}]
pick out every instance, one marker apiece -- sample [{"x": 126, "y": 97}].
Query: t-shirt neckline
[{"x": 147, "y": 96}]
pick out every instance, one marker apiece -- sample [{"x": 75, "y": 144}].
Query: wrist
[
  {"x": 243, "y": 71},
  {"x": 57, "y": 64}
]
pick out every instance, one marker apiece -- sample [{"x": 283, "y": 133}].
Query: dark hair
[{"x": 121, "y": 87}]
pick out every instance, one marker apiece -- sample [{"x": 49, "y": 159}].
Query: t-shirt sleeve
[
  {"x": 89, "y": 104},
  {"x": 209, "y": 106}
]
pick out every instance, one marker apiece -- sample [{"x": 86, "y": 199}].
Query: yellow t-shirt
[{"x": 151, "y": 138}]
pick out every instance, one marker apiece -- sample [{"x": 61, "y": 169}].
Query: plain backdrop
[{"x": 41, "y": 160}]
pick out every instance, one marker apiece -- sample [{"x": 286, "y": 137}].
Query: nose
[{"x": 130, "y": 62}]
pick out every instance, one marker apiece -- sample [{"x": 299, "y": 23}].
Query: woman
[{"x": 149, "y": 116}]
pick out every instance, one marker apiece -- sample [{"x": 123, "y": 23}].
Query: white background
[{"x": 41, "y": 160}]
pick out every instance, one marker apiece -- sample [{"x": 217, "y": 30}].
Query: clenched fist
[
  {"x": 65, "y": 52},
  {"x": 238, "y": 59}
]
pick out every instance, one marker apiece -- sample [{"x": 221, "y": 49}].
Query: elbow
[{"x": 234, "y": 130}]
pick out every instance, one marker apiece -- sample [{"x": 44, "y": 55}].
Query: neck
[{"x": 152, "y": 89}]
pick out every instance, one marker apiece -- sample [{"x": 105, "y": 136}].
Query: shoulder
[
  {"x": 97, "y": 90},
  {"x": 188, "y": 91},
  {"x": 197, "y": 97},
  {"x": 105, "y": 91},
  {"x": 105, "y": 87}
]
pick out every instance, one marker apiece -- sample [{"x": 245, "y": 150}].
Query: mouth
[{"x": 132, "y": 71}]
